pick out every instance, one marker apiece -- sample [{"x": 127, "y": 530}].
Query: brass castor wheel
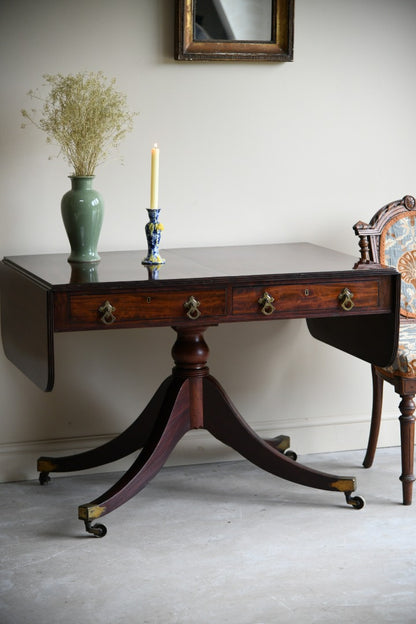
[
  {"x": 44, "y": 478},
  {"x": 99, "y": 530},
  {"x": 291, "y": 455},
  {"x": 281, "y": 443},
  {"x": 357, "y": 502}
]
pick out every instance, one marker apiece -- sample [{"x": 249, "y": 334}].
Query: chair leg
[
  {"x": 375, "y": 418},
  {"x": 407, "y": 433}
]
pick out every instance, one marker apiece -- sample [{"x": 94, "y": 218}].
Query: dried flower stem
[{"x": 85, "y": 116}]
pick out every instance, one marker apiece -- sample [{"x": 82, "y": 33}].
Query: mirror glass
[{"x": 233, "y": 20}]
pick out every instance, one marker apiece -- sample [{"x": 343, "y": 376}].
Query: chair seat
[{"x": 404, "y": 364}]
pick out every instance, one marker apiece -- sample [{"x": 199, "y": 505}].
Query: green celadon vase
[{"x": 82, "y": 210}]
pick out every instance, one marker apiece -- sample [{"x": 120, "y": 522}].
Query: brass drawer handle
[
  {"x": 192, "y": 306},
  {"x": 266, "y": 302},
  {"x": 345, "y": 298},
  {"x": 106, "y": 311}
]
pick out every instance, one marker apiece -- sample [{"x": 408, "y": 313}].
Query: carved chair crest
[{"x": 390, "y": 239}]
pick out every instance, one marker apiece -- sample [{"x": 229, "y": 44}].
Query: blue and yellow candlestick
[{"x": 154, "y": 228}]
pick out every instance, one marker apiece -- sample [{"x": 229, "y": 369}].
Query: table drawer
[
  {"x": 300, "y": 300},
  {"x": 137, "y": 308}
]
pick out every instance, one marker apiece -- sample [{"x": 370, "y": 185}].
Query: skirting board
[{"x": 18, "y": 460}]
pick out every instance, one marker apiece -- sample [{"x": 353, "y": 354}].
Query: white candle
[{"x": 154, "y": 178}]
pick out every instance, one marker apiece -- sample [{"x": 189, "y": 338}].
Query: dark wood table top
[{"x": 189, "y": 264}]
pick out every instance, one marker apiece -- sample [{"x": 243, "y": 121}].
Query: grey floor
[{"x": 218, "y": 543}]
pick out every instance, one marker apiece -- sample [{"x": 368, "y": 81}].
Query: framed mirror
[{"x": 234, "y": 30}]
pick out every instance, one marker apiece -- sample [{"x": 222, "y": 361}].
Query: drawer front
[
  {"x": 304, "y": 299},
  {"x": 136, "y": 309}
]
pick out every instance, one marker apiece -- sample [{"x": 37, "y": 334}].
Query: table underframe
[{"x": 188, "y": 399}]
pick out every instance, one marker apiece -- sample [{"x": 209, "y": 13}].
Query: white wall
[{"x": 250, "y": 153}]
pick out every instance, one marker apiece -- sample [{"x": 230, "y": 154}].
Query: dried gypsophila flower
[{"x": 85, "y": 115}]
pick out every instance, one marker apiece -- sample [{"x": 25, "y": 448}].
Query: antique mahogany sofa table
[{"x": 352, "y": 309}]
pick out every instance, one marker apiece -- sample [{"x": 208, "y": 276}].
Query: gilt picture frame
[{"x": 191, "y": 46}]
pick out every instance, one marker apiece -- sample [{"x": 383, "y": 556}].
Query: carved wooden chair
[{"x": 390, "y": 239}]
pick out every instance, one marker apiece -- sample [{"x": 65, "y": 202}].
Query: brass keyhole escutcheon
[
  {"x": 106, "y": 311},
  {"x": 345, "y": 297},
  {"x": 266, "y": 303},
  {"x": 192, "y": 308}
]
